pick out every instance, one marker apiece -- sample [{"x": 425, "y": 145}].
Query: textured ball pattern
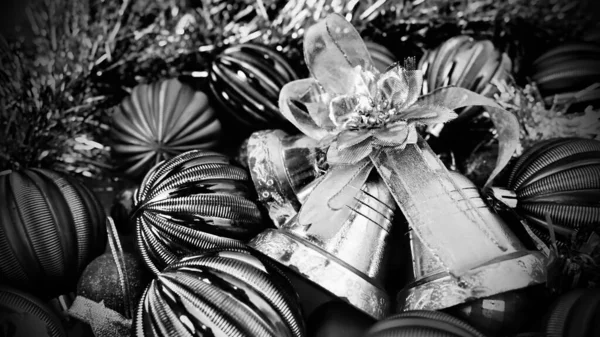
[
  {"x": 51, "y": 227},
  {"x": 464, "y": 62},
  {"x": 246, "y": 79},
  {"x": 229, "y": 292},
  {"x": 422, "y": 323},
  {"x": 193, "y": 202},
  {"x": 23, "y": 315},
  {"x": 566, "y": 69},
  {"x": 561, "y": 178},
  {"x": 159, "y": 121},
  {"x": 576, "y": 313}
]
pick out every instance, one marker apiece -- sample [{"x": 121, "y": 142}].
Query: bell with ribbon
[
  {"x": 282, "y": 166},
  {"x": 344, "y": 250},
  {"x": 366, "y": 121},
  {"x": 512, "y": 267}
]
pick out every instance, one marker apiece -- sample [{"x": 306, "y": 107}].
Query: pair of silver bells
[{"x": 347, "y": 255}]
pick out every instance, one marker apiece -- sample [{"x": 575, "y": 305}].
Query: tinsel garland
[{"x": 68, "y": 62}]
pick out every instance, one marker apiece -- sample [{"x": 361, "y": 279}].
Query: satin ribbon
[{"x": 359, "y": 113}]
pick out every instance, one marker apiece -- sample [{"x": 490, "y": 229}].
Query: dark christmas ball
[
  {"x": 381, "y": 56},
  {"x": 559, "y": 178},
  {"x": 51, "y": 227},
  {"x": 246, "y": 79},
  {"x": 576, "y": 313},
  {"x": 567, "y": 69},
  {"x": 422, "y": 323},
  {"x": 159, "y": 121},
  {"x": 118, "y": 281},
  {"x": 338, "y": 319},
  {"x": 229, "y": 292},
  {"x": 22, "y": 315},
  {"x": 500, "y": 315},
  {"x": 193, "y": 202},
  {"x": 467, "y": 63}
]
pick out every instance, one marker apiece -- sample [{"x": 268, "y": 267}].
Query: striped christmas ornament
[
  {"x": 22, "y": 315},
  {"x": 227, "y": 292},
  {"x": 51, "y": 227},
  {"x": 159, "y": 121},
  {"x": 559, "y": 178},
  {"x": 246, "y": 80},
  {"x": 193, "y": 202}
]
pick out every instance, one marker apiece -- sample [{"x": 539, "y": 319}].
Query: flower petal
[
  {"x": 350, "y": 155},
  {"x": 427, "y": 114},
  {"x": 348, "y": 138},
  {"x": 336, "y": 56},
  {"x": 396, "y": 135},
  {"x": 303, "y": 92}
]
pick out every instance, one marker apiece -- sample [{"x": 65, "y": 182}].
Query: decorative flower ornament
[{"x": 358, "y": 112}]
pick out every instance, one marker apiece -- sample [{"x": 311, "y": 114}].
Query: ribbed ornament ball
[
  {"x": 246, "y": 80},
  {"x": 23, "y": 315},
  {"x": 51, "y": 227},
  {"x": 228, "y": 292},
  {"x": 563, "y": 71},
  {"x": 159, "y": 121},
  {"x": 424, "y": 324},
  {"x": 559, "y": 178},
  {"x": 576, "y": 313},
  {"x": 467, "y": 63},
  {"x": 194, "y": 202}
]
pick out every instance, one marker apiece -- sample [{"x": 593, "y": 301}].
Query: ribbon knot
[{"x": 356, "y": 111}]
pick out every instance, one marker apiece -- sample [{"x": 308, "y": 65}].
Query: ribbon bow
[{"x": 356, "y": 111}]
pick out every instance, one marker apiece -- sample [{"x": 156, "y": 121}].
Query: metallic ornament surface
[
  {"x": 509, "y": 265},
  {"x": 246, "y": 80},
  {"x": 281, "y": 166},
  {"x": 574, "y": 314},
  {"x": 464, "y": 62},
  {"x": 193, "y": 202},
  {"x": 159, "y": 121},
  {"x": 381, "y": 56},
  {"x": 346, "y": 254},
  {"x": 227, "y": 292},
  {"x": 51, "y": 227},
  {"x": 422, "y": 323},
  {"x": 559, "y": 178},
  {"x": 566, "y": 69},
  {"x": 24, "y": 315}
]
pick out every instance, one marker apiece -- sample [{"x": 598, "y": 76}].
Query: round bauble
[
  {"x": 422, "y": 323},
  {"x": 104, "y": 280},
  {"x": 51, "y": 227},
  {"x": 567, "y": 69},
  {"x": 381, "y": 56},
  {"x": 576, "y": 313},
  {"x": 193, "y": 202},
  {"x": 230, "y": 292},
  {"x": 559, "y": 178},
  {"x": 159, "y": 121},
  {"x": 246, "y": 80},
  {"x": 22, "y": 315},
  {"x": 467, "y": 63}
]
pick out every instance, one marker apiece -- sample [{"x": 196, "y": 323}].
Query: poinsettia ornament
[{"x": 367, "y": 118}]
